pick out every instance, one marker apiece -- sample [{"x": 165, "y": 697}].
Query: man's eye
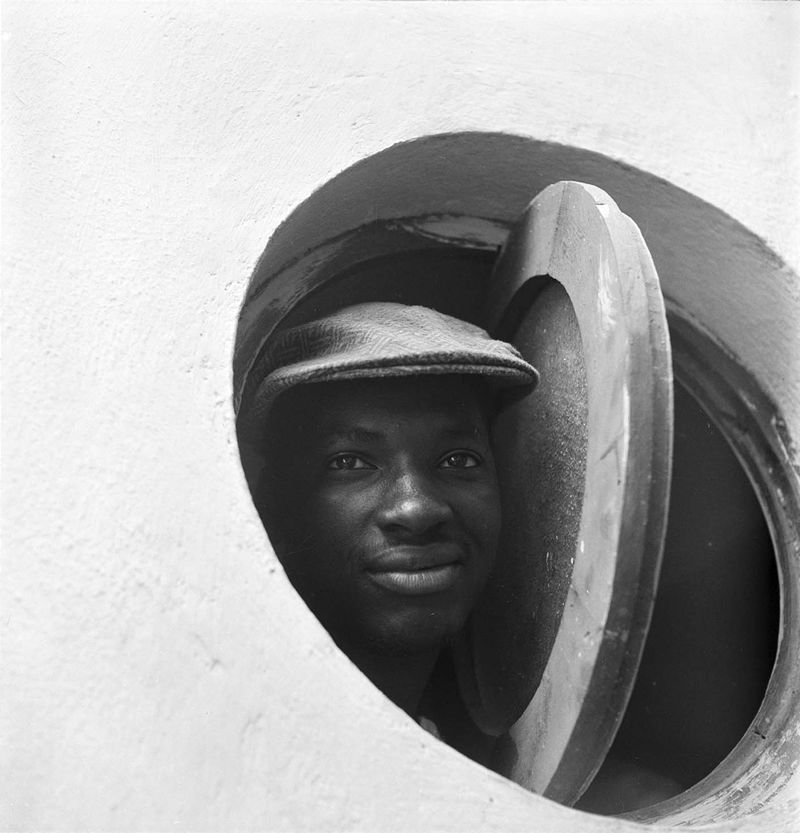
[
  {"x": 348, "y": 462},
  {"x": 460, "y": 460}
]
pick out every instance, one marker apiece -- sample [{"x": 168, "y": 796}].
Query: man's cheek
[{"x": 339, "y": 508}]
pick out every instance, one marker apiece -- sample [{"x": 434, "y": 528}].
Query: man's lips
[{"x": 414, "y": 570}]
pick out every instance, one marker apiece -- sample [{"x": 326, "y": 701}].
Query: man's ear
[{"x": 280, "y": 507}]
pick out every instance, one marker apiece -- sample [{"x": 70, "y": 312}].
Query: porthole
[{"x": 445, "y": 261}]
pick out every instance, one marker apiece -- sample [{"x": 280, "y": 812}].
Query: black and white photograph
[{"x": 400, "y": 416}]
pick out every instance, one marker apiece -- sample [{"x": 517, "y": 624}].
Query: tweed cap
[{"x": 380, "y": 340}]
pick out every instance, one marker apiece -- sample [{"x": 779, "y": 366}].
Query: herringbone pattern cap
[{"x": 379, "y": 340}]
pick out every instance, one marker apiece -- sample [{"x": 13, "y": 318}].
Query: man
[{"x": 379, "y": 490}]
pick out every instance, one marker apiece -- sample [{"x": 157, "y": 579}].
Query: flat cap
[{"x": 379, "y": 340}]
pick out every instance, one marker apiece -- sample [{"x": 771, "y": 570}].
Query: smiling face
[{"x": 384, "y": 507}]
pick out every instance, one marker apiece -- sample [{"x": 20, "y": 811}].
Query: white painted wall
[{"x": 157, "y": 669}]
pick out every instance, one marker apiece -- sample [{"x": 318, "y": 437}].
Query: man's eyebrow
[
  {"x": 356, "y": 434},
  {"x": 462, "y": 431}
]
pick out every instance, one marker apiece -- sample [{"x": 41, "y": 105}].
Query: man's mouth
[{"x": 417, "y": 570}]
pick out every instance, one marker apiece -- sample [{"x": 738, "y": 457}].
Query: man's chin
[{"x": 398, "y": 639}]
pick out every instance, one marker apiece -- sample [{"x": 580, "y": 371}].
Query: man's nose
[{"x": 412, "y": 504}]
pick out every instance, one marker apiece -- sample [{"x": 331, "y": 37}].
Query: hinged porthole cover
[{"x": 554, "y": 647}]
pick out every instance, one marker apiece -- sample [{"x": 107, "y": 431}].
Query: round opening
[{"x": 704, "y": 707}]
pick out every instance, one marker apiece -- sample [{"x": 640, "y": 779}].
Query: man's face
[{"x": 386, "y": 507}]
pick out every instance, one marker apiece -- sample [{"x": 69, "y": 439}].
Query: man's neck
[{"x": 401, "y": 678}]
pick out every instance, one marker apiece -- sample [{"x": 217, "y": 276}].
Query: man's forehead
[
  {"x": 454, "y": 396},
  {"x": 367, "y": 431},
  {"x": 369, "y": 409}
]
